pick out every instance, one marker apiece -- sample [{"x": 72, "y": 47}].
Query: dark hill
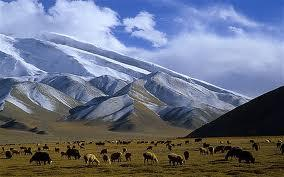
[{"x": 261, "y": 116}]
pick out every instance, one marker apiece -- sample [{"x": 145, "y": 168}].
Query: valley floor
[{"x": 269, "y": 161}]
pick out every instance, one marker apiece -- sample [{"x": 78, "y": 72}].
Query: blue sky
[{"x": 236, "y": 44}]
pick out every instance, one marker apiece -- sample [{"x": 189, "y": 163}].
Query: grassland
[{"x": 269, "y": 161}]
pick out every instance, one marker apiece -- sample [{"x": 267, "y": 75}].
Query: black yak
[{"x": 41, "y": 157}]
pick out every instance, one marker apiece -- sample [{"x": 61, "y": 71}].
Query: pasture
[{"x": 269, "y": 160}]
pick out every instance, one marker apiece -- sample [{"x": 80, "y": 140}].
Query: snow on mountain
[
  {"x": 11, "y": 64},
  {"x": 108, "y": 84},
  {"x": 110, "y": 109},
  {"x": 25, "y": 95},
  {"x": 58, "y": 72},
  {"x": 73, "y": 86}
]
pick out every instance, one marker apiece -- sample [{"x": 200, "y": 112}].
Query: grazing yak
[
  {"x": 14, "y": 151},
  {"x": 234, "y": 152},
  {"x": 124, "y": 150},
  {"x": 106, "y": 159},
  {"x": 73, "y": 153},
  {"x": 150, "y": 156},
  {"x": 186, "y": 142},
  {"x": 278, "y": 145},
  {"x": 282, "y": 148},
  {"x": 100, "y": 144},
  {"x": 41, "y": 157},
  {"x": 219, "y": 149},
  {"x": 8, "y": 154},
  {"x": 128, "y": 156},
  {"x": 186, "y": 155},
  {"x": 91, "y": 158},
  {"x": 149, "y": 148},
  {"x": 63, "y": 154},
  {"x": 104, "y": 151},
  {"x": 45, "y": 147},
  {"x": 246, "y": 156},
  {"x": 28, "y": 151},
  {"x": 198, "y": 140},
  {"x": 203, "y": 151},
  {"x": 56, "y": 150},
  {"x": 206, "y": 145},
  {"x": 116, "y": 156},
  {"x": 255, "y": 146},
  {"x": 169, "y": 147},
  {"x": 211, "y": 149},
  {"x": 175, "y": 159}
]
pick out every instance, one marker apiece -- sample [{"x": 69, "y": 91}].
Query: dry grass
[{"x": 269, "y": 161}]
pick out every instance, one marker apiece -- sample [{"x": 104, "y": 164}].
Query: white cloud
[
  {"x": 250, "y": 62},
  {"x": 81, "y": 19},
  {"x": 143, "y": 26},
  {"x": 236, "y": 30}
]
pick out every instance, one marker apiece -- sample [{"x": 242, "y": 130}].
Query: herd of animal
[{"x": 41, "y": 154}]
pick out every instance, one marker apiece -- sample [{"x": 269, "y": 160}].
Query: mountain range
[
  {"x": 54, "y": 80},
  {"x": 262, "y": 116}
]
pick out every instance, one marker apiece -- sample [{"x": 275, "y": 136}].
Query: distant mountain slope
[
  {"x": 73, "y": 86},
  {"x": 263, "y": 115},
  {"x": 75, "y": 81}
]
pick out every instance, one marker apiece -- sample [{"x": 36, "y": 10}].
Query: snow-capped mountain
[{"x": 78, "y": 81}]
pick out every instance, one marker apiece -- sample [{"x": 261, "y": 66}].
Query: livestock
[
  {"x": 104, "y": 151},
  {"x": 219, "y": 149},
  {"x": 28, "y": 151},
  {"x": 128, "y": 156},
  {"x": 124, "y": 150},
  {"x": 256, "y": 146},
  {"x": 247, "y": 156},
  {"x": 150, "y": 156},
  {"x": 8, "y": 154},
  {"x": 198, "y": 140},
  {"x": 149, "y": 148},
  {"x": 211, "y": 149},
  {"x": 227, "y": 148},
  {"x": 116, "y": 156},
  {"x": 268, "y": 140},
  {"x": 100, "y": 143},
  {"x": 14, "y": 151},
  {"x": 106, "y": 159},
  {"x": 251, "y": 141},
  {"x": 41, "y": 157},
  {"x": 206, "y": 145},
  {"x": 179, "y": 144},
  {"x": 73, "y": 153},
  {"x": 63, "y": 154},
  {"x": 23, "y": 148},
  {"x": 234, "y": 152},
  {"x": 203, "y": 151},
  {"x": 282, "y": 148},
  {"x": 169, "y": 147},
  {"x": 45, "y": 147},
  {"x": 229, "y": 142},
  {"x": 175, "y": 159},
  {"x": 56, "y": 150},
  {"x": 91, "y": 158},
  {"x": 186, "y": 142},
  {"x": 186, "y": 155},
  {"x": 278, "y": 144}
]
